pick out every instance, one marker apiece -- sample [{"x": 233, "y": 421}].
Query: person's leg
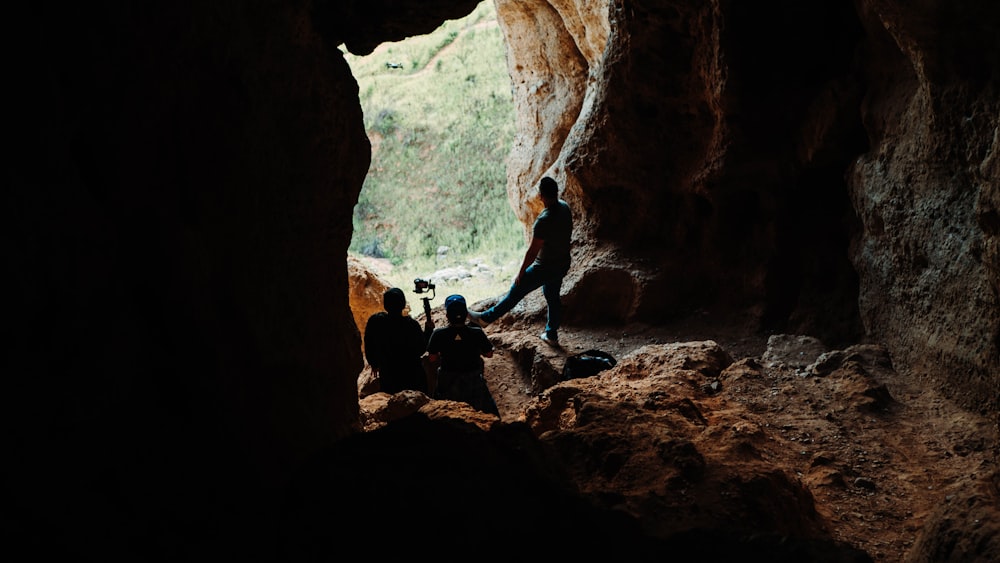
[
  {"x": 551, "y": 289},
  {"x": 530, "y": 281},
  {"x": 477, "y": 393},
  {"x": 486, "y": 401},
  {"x": 446, "y": 386}
]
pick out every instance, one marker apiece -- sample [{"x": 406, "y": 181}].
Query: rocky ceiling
[{"x": 181, "y": 178}]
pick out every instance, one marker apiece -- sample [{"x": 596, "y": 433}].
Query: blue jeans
[{"x": 534, "y": 277}]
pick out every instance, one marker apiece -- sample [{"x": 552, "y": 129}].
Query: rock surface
[{"x": 709, "y": 443}]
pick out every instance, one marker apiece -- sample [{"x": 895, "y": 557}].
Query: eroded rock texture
[
  {"x": 181, "y": 176},
  {"x": 820, "y": 167},
  {"x": 927, "y": 193}
]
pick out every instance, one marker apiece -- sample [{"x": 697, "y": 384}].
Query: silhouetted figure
[
  {"x": 458, "y": 350},
  {"x": 394, "y": 344},
  {"x": 545, "y": 263}
]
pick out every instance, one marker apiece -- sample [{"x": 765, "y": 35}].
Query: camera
[{"x": 422, "y": 286}]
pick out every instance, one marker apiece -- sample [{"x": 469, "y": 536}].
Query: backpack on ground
[{"x": 587, "y": 363}]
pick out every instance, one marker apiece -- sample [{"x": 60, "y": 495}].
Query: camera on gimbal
[{"x": 422, "y": 286}]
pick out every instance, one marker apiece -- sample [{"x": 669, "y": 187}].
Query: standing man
[{"x": 545, "y": 263}]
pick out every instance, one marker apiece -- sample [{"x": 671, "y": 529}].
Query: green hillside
[{"x": 441, "y": 128}]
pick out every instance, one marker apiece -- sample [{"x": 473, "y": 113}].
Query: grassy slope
[{"x": 441, "y": 129}]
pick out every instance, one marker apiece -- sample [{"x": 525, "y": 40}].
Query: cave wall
[
  {"x": 707, "y": 157},
  {"x": 178, "y": 199},
  {"x": 927, "y": 193},
  {"x": 177, "y": 209},
  {"x": 551, "y": 49},
  {"x": 823, "y": 168}
]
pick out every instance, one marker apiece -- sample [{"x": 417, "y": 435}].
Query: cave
[{"x": 181, "y": 355}]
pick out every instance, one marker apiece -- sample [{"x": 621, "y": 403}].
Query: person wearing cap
[
  {"x": 395, "y": 344},
  {"x": 458, "y": 350},
  {"x": 546, "y": 262}
]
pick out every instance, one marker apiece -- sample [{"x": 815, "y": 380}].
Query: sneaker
[
  {"x": 551, "y": 340},
  {"x": 476, "y": 318}
]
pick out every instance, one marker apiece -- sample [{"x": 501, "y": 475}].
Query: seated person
[
  {"x": 394, "y": 344},
  {"x": 458, "y": 350}
]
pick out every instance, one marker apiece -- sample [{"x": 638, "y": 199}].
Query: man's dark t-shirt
[
  {"x": 461, "y": 347},
  {"x": 554, "y": 226},
  {"x": 394, "y": 345},
  {"x": 461, "y": 374}
]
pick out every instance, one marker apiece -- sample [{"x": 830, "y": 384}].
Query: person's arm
[
  {"x": 433, "y": 354},
  {"x": 529, "y": 257},
  {"x": 428, "y": 328},
  {"x": 432, "y": 361},
  {"x": 371, "y": 344},
  {"x": 485, "y": 346},
  {"x": 428, "y": 321},
  {"x": 430, "y": 370},
  {"x": 416, "y": 338}
]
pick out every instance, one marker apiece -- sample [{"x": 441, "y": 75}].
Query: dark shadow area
[
  {"x": 421, "y": 484},
  {"x": 793, "y": 67}
]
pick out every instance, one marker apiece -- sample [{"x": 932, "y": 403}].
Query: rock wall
[
  {"x": 928, "y": 193},
  {"x": 176, "y": 215},
  {"x": 706, "y": 157},
  {"x": 822, "y": 168},
  {"x": 367, "y": 289}
]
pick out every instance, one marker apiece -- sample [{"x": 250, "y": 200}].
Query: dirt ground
[
  {"x": 514, "y": 390},
  {"x": 879, "y": 451},
  {"x": 876, "y": 474}
]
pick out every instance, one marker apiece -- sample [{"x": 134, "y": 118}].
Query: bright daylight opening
[{"x": 439, "y": 112}]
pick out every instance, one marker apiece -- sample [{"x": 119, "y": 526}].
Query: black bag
[{"x": 587, "y": 363}]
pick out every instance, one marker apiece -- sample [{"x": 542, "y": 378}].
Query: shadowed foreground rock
[
  {"x": 423, "y": 488},
  {"x": 948, "y": 536}
]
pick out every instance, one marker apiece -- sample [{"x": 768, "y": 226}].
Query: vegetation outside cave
[{"x": 439, "y": 112}]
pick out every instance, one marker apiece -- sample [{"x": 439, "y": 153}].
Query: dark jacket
[{"x": 393, "y": 346}]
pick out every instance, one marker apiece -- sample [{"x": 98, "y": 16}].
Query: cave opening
[{"x": 439, "y": 114}]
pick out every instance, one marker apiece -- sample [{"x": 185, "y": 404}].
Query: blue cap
[{"x": 455, "y": 309}]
